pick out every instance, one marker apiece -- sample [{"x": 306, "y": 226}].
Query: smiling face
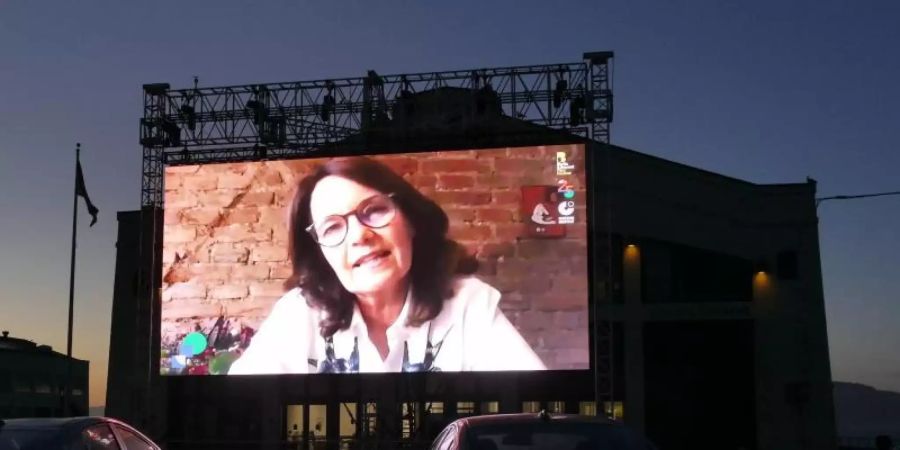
[{"x": 369, "y": 260}]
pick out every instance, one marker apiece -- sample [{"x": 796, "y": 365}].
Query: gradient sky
[{"x": 769, "y": 93}]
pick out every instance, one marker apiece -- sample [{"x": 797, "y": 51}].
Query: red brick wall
[{"x": 225, "y": 245}]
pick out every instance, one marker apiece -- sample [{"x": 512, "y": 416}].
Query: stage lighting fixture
[
  {"x": 189, "y": 115},
  {"x": 259, "y": 111},
  {"x": 576, "y": 111},
  {"x": 406, "y": 91},
  {"x": 374, "y": 78},
  {"x": 172, "y": 133},
  {"x": 559, "y": 92},
  {"x": 328, "y": 102}
]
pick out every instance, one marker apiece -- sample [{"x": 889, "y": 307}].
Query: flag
[{"x": 82, "y": 191}]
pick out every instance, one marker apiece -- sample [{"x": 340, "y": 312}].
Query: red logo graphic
[{"x": 540, "y": 212}]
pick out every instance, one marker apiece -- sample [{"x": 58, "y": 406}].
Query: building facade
[
  {"x": 712, "y": 286},
  {"x": 33, "y": 380}
]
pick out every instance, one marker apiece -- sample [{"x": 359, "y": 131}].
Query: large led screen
[{"x": 469, "y": 260}]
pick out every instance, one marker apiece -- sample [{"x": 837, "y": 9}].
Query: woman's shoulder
[
  {"x": 291, "y": 305},
  {"x": 472, "y": 293},
  {"x": 290, "y": 315}
]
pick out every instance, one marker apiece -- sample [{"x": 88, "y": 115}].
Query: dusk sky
[{"x": 768, "y": 93}]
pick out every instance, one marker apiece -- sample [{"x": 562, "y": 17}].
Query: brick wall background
[{"x": 225, "y": 240}]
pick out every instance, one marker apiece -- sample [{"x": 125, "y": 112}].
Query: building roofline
[{"x": 705, "y": 172}]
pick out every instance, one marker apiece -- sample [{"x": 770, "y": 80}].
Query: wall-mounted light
[
  {"x": 761, "y": 266},
  {"x": 632, "y": 254}
]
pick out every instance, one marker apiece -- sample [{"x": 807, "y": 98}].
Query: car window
[
  {"x": 553, "y": 435},
  {"x": 99, "y": 437},
  {"x": 132, "y": 441},
  {"x": 11, "y": 439}
]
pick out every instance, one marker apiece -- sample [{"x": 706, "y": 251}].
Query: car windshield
[
  {"x": 553, "y": 435},
  {"x": 23, "y": 439}
]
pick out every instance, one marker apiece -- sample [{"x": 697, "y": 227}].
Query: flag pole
[{"x": 68, "y": 394}]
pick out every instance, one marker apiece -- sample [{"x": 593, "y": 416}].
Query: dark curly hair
[{"x": 435, "y": 258}]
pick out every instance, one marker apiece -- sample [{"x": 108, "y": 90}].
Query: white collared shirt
[{"x": 470, "y": 333}]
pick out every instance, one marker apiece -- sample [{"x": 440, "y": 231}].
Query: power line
[{"x": 853, "y": 197}]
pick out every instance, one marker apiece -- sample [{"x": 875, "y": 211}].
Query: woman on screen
[{"x": 378, "y": 287}]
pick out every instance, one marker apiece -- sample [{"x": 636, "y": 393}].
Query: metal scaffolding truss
[{"x": 289, "y": 119}]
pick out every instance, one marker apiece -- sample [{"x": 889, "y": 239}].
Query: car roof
[
  {"x": 541, "y": 417},
  {"x": 54, "y": 422}
]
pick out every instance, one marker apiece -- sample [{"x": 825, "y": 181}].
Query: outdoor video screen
[{"x": 451, "y": 261}]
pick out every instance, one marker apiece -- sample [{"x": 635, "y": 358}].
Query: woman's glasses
[{"x": 374, "y": 212}]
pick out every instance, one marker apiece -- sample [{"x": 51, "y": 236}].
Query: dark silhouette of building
[{"x": 33, "y": 380}]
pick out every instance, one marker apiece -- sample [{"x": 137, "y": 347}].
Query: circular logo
[{"x": 566, "y": 208}]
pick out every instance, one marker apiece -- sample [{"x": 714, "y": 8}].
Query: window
[
  {"x": 587, "y": 408},
  {"x": 348, "y": 421},
  {"x": 99, "y": 437},
  {"x": 463, "y": 408},
  {"x": 294, "y": 422},
  {"x": 410, "y": 418},
  {"x": 490, "y": 407},
  {"x": 615, "y": 410},
  {"x": 435, "y": 407},
  {"x": 318, "y": 421},
  {"x": 557, "y": 407},
  {"x": 133, "y": 441},
  {"x": 370, "y": 422},
  {"x": 531, "y": 407}
]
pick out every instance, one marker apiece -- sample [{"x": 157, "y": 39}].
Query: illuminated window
[
  {"x": 318, "y": 421},
  {"x": 294, "y": 423},
  {"x": 490, "y": 407},
  {"x": 348, "y": 422},
  {"x": 587, "y": 408},
  {"x": 531, "y": 407},
  {"x": 616, "y": 410},
  {"x": 435, "y": 407},
  {"x": 463, "y": 408},
  {"x": 370, "y": 419},
  {"x": 556, "y": 407},
  {"x": 410, "y": 419}
]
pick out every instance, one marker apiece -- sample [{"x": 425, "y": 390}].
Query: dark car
[
  {"x": 538, "y": 431},
  {"x": 74, "y": 433}
]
